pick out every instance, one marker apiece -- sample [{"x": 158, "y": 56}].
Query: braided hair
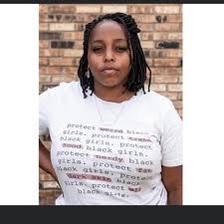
[{"x": 137, "y": 75}]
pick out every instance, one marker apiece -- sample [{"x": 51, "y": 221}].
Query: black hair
[{"x": 137, "y": 75}]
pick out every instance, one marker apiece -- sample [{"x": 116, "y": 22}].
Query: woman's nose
[{"x": 109, "y": 56}]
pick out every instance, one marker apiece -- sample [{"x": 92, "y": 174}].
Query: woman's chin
[{"x": 110, "y": 83}]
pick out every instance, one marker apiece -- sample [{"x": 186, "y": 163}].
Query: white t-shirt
[{"x": 107, "y": 153}]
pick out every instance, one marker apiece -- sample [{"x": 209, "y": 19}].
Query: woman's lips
[{"x": 109, "y": 71}]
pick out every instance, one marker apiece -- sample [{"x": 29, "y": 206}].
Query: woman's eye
[
  {"x": 97, "y": 49},
  {"x": 101, "y": 49},
  {"x": 121, "y": 49}
]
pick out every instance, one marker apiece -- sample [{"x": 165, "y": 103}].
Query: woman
[{"x": 112, "y": 143}]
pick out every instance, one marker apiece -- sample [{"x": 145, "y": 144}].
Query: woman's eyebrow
[{"x": 102, "y": 41}]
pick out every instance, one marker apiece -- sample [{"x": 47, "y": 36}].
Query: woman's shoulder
[
  {"x": 156, "y": 99},
  {"x": 154, "y": 102},
  {"x": 62, "y": 93},
  {"x": 61, "y": 89}
]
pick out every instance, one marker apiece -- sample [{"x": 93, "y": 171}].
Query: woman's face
[{"x": 108, "y": 55}]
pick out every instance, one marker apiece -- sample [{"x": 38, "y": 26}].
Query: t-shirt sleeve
[
  {"x": 43, "y": 113},
  {"x": 171, "y": 139}
]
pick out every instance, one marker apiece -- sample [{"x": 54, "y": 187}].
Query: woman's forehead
[{"x": 107, "y": 28}]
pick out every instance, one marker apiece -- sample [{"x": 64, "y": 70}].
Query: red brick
[
  {"x": 43, "y": 8},
  {"x": 157, "y": 62},
  {"x": 46, "y": 177},
  {"x": 146, "y": 27},
  {"x": 61, "y": 27},
  {"x": 43, "y": 44},
  {"x": 175, "y": 36},
  {"x": 50, "y": 70},
  {"x": 171, "y": 96},
  {"x": 43, "y": 18},
  {"x": 147, "y": 44},
  {"x": 166, "y": 79},
  {"x": 114, "y": 8},
  {"x": 168, "y": 27},
  {"x": 180, "y": 96},
  {"x": 142, "y": 18},
  {"x": 69, "y": 70},
  {"x": 44, "y": 78},
  {"x": 50, "y": 184},
  {"x": 77, "y": 60},
  {"x": 166, "y": 53},
  {"x": 149, "y": 61},
  {"x": 60, "y": 61},
  {"x": 43, "y": 61},
  {"x": 168, "y": 9},
  {"x": 177, "y": 104},
  {"x": 139, "y": 9},
  {"x": 73, "y": 53},
  {"x": 79, "y": 44},
  {"x": 166, "y": 71},
  {"x": 62, "y": 78},
  {"x": 58, "y": 71},
  {"x": 73, "y": 35},
  {"x": 180, "y": 79},
  {"x": 174, "y": 18},
  {"x": 180, "y": 112},
  {"x": 48, "y": 196},
  {"x": 79, "y": 27},
  {"x": 89, "y": 17},
  {"x": 160, "y": 36},
  {"x": 146, "y": 36},
  {"x": 88, "y": 8},
  {"x": 43, "y": 26},
  {"x": 50, "y": 52},
  {"x": 60, "y": 8},
  {"x": 175, "y": 88},
  {"x": 158, "y": 87}
]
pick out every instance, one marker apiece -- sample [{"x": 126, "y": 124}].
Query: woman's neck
[{"x": 113, "y": 94}]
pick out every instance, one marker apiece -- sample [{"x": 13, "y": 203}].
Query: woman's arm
[
  {"x": 45, "y": 161},
  {"x": 172, "y": 180}
]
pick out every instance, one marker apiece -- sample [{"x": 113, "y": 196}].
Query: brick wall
[{"x": 61, "y": 34}]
